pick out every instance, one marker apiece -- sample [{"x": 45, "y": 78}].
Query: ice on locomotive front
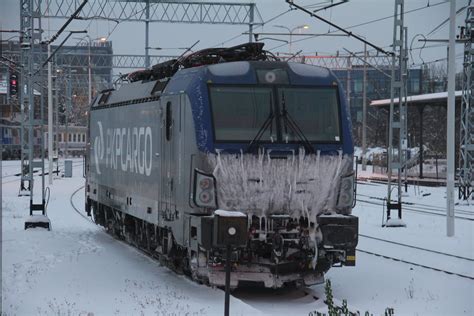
[{"x": 280, "y": 152}]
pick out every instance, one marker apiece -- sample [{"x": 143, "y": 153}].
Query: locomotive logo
[
  {"x": 126, "y": 148},
  {"x": 99, "y": 147}
]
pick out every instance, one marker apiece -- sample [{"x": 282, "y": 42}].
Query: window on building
[
  {"x": 357, "y": 86},
  {"x": 415, "y": 85}
]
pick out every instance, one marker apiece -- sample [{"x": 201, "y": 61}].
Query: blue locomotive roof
[{"x": 195, "y": 82}]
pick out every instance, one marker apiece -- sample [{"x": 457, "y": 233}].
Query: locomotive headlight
[
  {"x": 205, "y": 183},
  {"x": 205, "y": 197},
  {"x": 346, "y": 192},
  {"x": 232, "y": 231},
  {"x": 204, "y": 189}
]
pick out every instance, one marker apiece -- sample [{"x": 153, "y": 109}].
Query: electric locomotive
[{"x": 227, "y": 145}]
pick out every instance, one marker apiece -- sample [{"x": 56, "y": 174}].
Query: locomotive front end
[{"x": 276, "y": 149}]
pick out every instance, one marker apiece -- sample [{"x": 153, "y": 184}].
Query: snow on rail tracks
[
  {"x": 413, "y": 208},
  {"x": 416, "y": 264}
]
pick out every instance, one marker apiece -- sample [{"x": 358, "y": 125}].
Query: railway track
[
  {"x": 421, "y": 205},
  {"x": 76, "y": 209},
  {"x": 15, "y": 177},
  {"x": 421, "y": 211},
  {"x": 416, "y": 247},
  {"x": 416, "y": 264}
]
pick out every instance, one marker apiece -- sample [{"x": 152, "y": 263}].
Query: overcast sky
[{"x": 129, "y": 38}]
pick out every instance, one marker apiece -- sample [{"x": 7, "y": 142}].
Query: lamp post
[
  {"x": 89, "y": 72},
  {"x": 290, "y": 31}
]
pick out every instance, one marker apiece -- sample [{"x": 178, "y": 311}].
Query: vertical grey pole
[
  {"x": 364, "y": 112},
  {"x": 31, "y": 108},
  {"x": 43, "y": 201},
  {"x": 405, "y": 105},
  {"x": 450, "y": 137},
  {"x": 56, "y": 105},
  {"x": 89, "y": 70},
  {"x": 66, "y": 112},
  {"x": 50, "y": 120},
  {"x": 420, "y": 110},
  {"x": 227, "y": 280},
  {"x": 251, "y": 19},
  {"x": 348, "y": 82},
  {"x": 147, "y": 30}
]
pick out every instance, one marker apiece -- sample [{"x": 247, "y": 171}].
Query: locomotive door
[{"x": 168, "y": 159}]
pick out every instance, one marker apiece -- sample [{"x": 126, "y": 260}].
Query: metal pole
[
  {"x": 227, "y": 281},
  {"x": 451, "y": 116},
  {"x": 50, "y": 120},
  {"x": 291, "y": 37},
  {"x": 43, "y": 201},
  {"x": 66, "y": 112},
  {"x": 348, "y": 82},
  {"x": 404, "y": 133},
  {"x": 56, "y": 105},
  {"x": 147, "y": 29},
  {"x": 421, "y": 109},
  {"x": 251, "y": 19},
  {"x": 364, "y": 112},
  {"x": 89, "y": 73}
]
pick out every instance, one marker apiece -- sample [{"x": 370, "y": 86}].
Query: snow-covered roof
[{"x": 421, "y": 98}]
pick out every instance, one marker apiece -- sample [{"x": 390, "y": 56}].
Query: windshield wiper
[
  {"x": 268, "y": 122},
  {"x": 290, "y": 122}
]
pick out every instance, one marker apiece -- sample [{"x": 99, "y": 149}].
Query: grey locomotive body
[{"x": 165, "y": 156}]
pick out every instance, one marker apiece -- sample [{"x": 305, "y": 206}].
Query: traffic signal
[{"x": 13, "y": 85}]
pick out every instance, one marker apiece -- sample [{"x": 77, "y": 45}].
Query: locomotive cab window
[
  {"x": 244, "y": 113},
  {"x": 239, "y": 113},
  {"x": 315, "y": 111}
]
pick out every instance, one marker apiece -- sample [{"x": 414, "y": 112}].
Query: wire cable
[
  {"x": 423, "y": 46},
  {"x": 363, "y": 24},
  {"x": 265, "y": 22}
]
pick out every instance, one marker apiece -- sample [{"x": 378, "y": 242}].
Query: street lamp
[{"x": 299, "y": 27}]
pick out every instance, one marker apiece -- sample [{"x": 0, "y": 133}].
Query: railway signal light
[{"x": 13, "y": 85}]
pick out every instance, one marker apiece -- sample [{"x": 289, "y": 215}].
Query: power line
[
  {"x": 415, "y": 48},
  {"x": 360, "y": 38},
  {"x": 434, "y": 61},
  {"x": 442, "y": 24},
  {"x": 265, "y": 22},
  {"x": 366, "y": 23}
]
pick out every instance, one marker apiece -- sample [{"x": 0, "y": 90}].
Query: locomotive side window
[{"x": 168, "y": 121}]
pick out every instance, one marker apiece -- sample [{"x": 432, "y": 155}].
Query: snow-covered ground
[{"x": 77, "y": 269}]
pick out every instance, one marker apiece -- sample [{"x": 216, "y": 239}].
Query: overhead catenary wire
[
  {"x": 379, "y": 49},
  {"x": 265, "y": 22},
  {"x": 71, "y": 18},
  {"x": 366, "y": 23},
  {"x": 439, "y": 26}
]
